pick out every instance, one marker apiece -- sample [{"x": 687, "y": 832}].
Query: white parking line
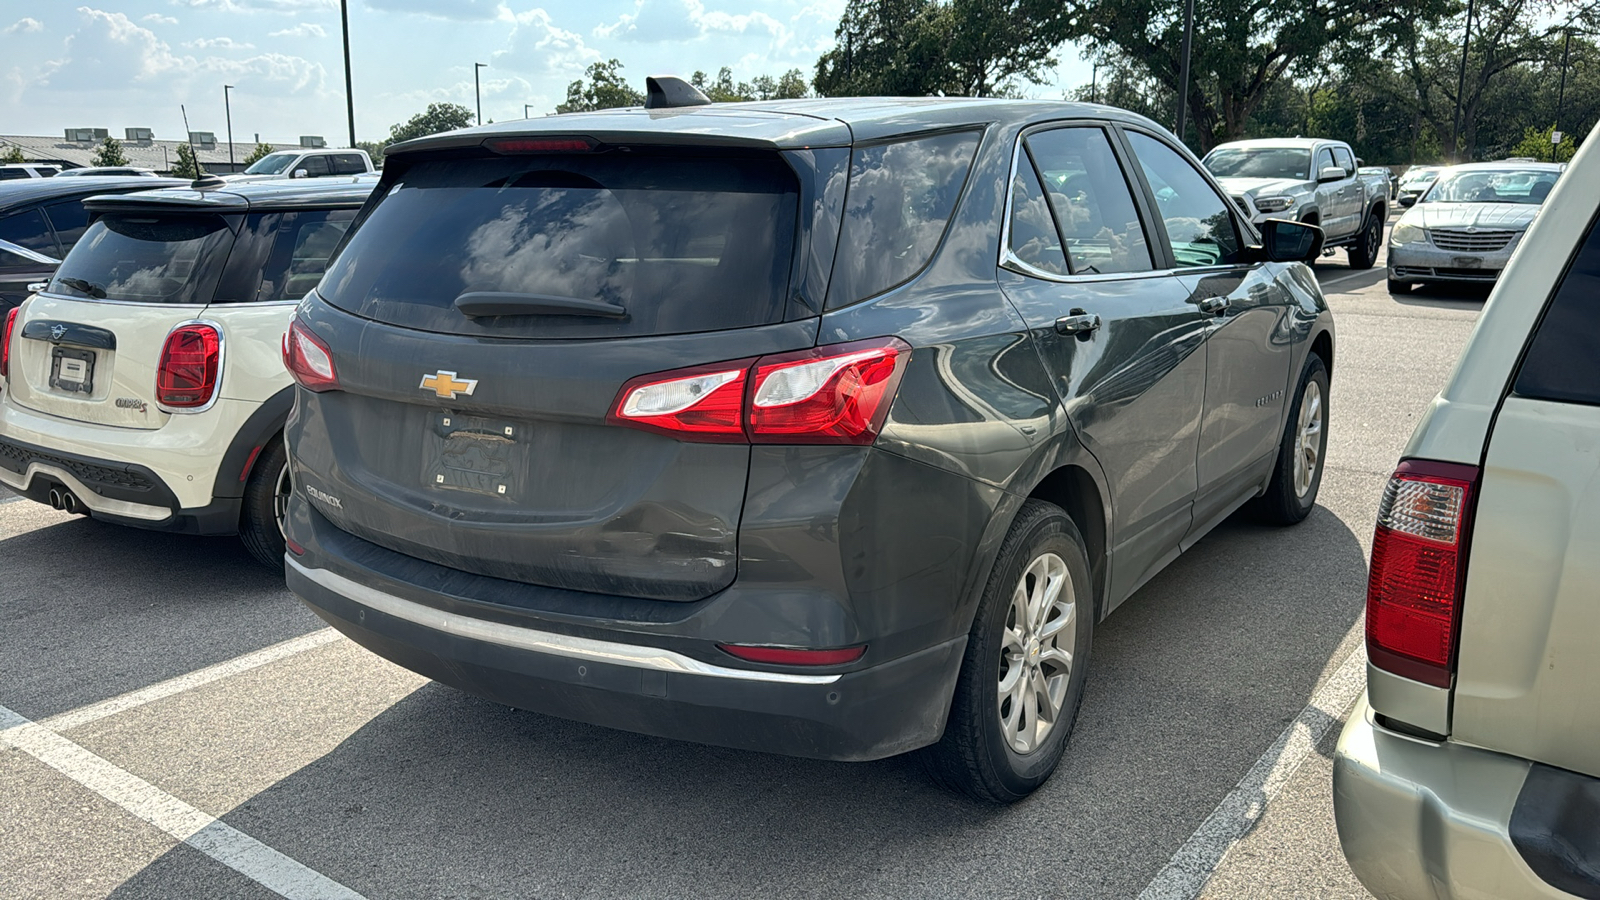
[
  {"x": 83, "y": 715},
  {"x": 202, "y": 831},
  {"x": 1342, "y": 278},
  {"x": 1186, "y": 874}
]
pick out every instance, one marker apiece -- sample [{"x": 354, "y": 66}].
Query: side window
[
  {"x": 1560, "y": 364},
  {"x": 1091, "y": 200},
  {"x": 70, "y": 220},
  {"x": 899, "y": 200},
  {"x": 315, "y": 166},
  {"x": 348, "y": 164},
  {"x": 1199, "y": 224},
  {"x": 1033, "y": 228},
  {"x": 1343, "y": 159},
  {"x": 28, "y": 229},
  {"x": 300, "y": 252},
  {"x": 10, "y": 259},
  {"x": 1324, "y": 160}
]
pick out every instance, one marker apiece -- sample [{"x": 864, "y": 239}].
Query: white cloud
[
  {"x": 538, "y": 45},
  {"x": 303, "y": 30},
  {"x": 24, "y": 26},
  {"x": 463, "y": 10},
  {"x": 158, "y": 19},
  {"x": 218, "y": 43},
  {"x": 655, "y": 21},
  {"x": 283, "y": 6}
]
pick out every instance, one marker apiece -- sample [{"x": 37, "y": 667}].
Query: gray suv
[{"x": 825, "y": 427}]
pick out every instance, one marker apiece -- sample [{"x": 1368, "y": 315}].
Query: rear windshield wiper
[
  {"x": 498, "y": 303},
  {"x": 84, "y": 286}
]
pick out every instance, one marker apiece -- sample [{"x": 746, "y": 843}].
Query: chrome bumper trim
[{"x": 633, "y": 655}]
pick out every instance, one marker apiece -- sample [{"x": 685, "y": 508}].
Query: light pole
[
  {"x": 1461, "y": 86},
  {"x": 477, "y": 93},
  {"x": 1183, "y": 66},
  {"x": 1561, "y": 95},
  {"x": 1094, "y": 84},
  {"x": 349, "y": 96},
  {"x": 227, "y": 109},
  {"x": 525, "y": 108}
]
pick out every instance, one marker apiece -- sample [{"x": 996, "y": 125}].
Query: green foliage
[
  {"x": 13, "y": 155},
  {"x": 256, "y": 154},
  {"x": 606, "y": 89},
  {"x": 188, "y": 166},
  {"x": 1536, "y": 144},
  {"x": 109, "y": 153},
  {"x": 374, "y": 149},
  {"x": 436, "y": 118}
]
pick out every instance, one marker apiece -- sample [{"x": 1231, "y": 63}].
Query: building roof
[{"x": 158, "y": 155}]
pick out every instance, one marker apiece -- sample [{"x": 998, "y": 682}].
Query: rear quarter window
[{"x": 1561, "y": 360}]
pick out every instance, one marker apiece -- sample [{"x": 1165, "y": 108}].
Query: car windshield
[
  {"x": 271, "y": 164},
  {"x": 1262, "y": 162},
  {"x": 1425, "y": 177},
  {"x": 1525, "y": 186}
]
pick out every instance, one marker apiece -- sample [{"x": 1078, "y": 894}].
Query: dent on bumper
[{"x": 1429, "y": 821}]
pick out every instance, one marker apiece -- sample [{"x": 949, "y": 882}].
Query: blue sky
[{"x": 130, "y": 64}]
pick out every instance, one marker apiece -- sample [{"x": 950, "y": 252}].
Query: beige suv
[{"x": 1472, "y": 768}]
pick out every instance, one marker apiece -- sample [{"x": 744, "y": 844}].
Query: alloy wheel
[
  {"x": 280, "y": 497},
  {"x": 1308, "y": 440},
  {"x": 1041, "y": 631}
]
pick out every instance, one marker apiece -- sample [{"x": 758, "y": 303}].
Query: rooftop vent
[
  {"x": 87, "y": 135},
  {"x": 204, "y": 140},
  {"x": 140, "y": 135},
  {"x": 315, "y": 141}
]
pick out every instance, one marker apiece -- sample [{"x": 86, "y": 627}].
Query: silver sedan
[{"x": 1465, "y": 228}]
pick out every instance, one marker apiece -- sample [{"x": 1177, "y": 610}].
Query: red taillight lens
[
  {"x": 5, "y": 343},
  {"x": 308, "y": 359},
  {"x": 838, "y": 394},
  {"x": 187, "y": 375},
  {"x": 1419, "y": 570},
  {"x": 788, "y": 656}
]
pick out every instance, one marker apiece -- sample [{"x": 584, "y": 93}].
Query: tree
[
  {"x": 109, "y": 153},
  {"x": 256, "y": 154},
  {"x": 14, "y": 155},
  {"x": 436, "y": 118},
  {"x": 374, "y": 149},
  {"x": 188, "y": 166},
  {"x": 1537, "y": 145},
  {"x": 606, "y": 89}
]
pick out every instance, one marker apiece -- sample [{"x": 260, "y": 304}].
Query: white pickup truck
[
  {"x": 1308, "y": 180},
  {"x": 305, "y": 163}
]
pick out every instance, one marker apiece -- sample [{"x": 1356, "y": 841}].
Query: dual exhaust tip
[{"x": 66, "y": 502}]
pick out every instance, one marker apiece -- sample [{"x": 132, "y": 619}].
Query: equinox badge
[{"x": 446, "y": 386}]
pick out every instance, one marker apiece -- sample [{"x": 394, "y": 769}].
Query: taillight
[
  {"x": 5, "y": 343},
  {"x": 308, "y": 359},
  {"x": 838, "y": 394},
  {"x": 187, "y": 375},
  {"x": 1419, "y": 570},
  {"x": 791, "y": 656}
]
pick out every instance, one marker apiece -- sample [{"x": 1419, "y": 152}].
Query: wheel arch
[
  {"x": 268, "y": 419},
  {"x": 1073, "y": 488},
  {"x": 1322, "y": 346}
]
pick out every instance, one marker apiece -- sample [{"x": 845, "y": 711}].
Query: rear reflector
[
  {"x": 541, "y": 145},
  {"x": 788, "y": 656},
  {"x": 190, "y": 366},
  {"x": 308, "y": 359},
  {"x": 1418, "y": 570},
  {"x": 5, "y": 343}
]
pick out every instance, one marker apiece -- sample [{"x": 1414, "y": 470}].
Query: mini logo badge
[
  {"x": 447, "y": 386},
  {"x": 57, "y": 332}
]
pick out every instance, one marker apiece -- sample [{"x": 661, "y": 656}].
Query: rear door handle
[
  {"x": 1078, "y": 323},
  {"x": 1213, "y": 304}
]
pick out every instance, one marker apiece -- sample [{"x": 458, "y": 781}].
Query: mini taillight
[
  {"x": 790, "y": 656},
  {"x": 5, "y": 343},
  {"x": 187, "y": 375},
  {"x": 308, "y": 359},
  {"x": 541, "y": 145},
  {"x": 838, "y": 394},
  {"x": 1418, "y": 570}
]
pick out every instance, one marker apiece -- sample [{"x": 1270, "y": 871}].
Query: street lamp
[
  {"x": 1461, "y": 85},
  {"x": 525, "y": 108},
  {"x": 349, "y": 96},
  {"x": 1183, "y": 66},
  {"x": 476, "y": 91},
  {"x": 227, "y": 109}
]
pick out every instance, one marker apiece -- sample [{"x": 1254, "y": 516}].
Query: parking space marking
[
  {"x": 95, "y": 711},
  {"x": 223, "y": 843},
  {"x": 1186, "y": 874}
]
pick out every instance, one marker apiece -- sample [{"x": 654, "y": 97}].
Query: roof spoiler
[{"x": 671, "y": 92}]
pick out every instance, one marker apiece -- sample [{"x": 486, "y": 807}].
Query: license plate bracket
[
  {"x": 72, "y": 370},
  {"x": 472, "y": 454},
  {"x": 1467, "y": 262}
]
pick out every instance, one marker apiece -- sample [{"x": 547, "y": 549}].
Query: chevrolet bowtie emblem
[{"x": 447, "y": 386}]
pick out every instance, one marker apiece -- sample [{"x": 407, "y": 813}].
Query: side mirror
[
  {"x": 1407, "y": 201},
  {"x": 1286, "y": 241},
  {"x": 35, "y": 287},
  {"x": 1331, "y": 173},
  {"x": 300, "y": 173},
  {"x": 1360, "y": 162}
]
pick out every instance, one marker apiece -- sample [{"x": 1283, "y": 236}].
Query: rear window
[
  {"x": 146, "y": 258},
  {"x": 1560, "y": 363},
  {"x": 680, "y": 243},
  {"x": 896, "y": 209}
]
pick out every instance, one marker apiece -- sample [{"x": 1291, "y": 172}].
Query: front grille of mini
[{"x": 1460, "y": 241}]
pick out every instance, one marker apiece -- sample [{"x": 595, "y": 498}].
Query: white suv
[
  {"x": 145, "y": 384},
  {"x": 1472, "y": 769}
]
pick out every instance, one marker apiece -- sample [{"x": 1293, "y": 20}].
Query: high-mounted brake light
[
  {"x": 1418, "y": 573},
  {"x": 5, "y": 343},
  {"x": 838, "y": 394},
  {"x": 308, "y": 359},
  {"x": 788, "y": 656},
  {"x": 190, "y": 366},
  {"x": 541, "y": 145}
]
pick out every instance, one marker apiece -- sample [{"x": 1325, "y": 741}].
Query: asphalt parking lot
[{"x": 174, "y": 724}]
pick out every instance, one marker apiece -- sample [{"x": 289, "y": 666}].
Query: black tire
[
  {"x": 1284, "y": 503},
  {"x": 259, "y": 525},
  {"x": 1364, "y": 252},
  {"x": 1399, "y": 288},
  {"x": 975, "y": 756}
]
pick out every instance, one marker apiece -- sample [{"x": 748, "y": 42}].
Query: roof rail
[{"x": 671, "y": 92}]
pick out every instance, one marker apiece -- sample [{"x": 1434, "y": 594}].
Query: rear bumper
[
  {"x": 1429, "y": 821},
  {"x": 622, "y": 679}
]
